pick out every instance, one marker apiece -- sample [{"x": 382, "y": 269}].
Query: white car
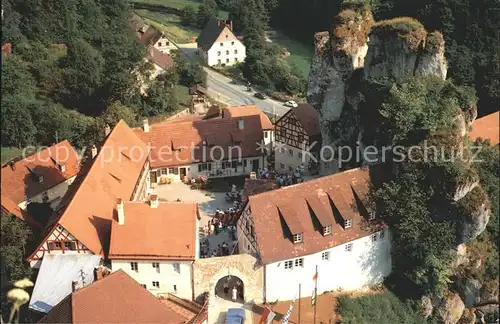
[{"x": 291, "y": 103}]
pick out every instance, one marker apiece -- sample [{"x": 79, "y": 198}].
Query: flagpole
[
  {"x": 299, "y": 304},
  {"x": 316, "y": 294}
]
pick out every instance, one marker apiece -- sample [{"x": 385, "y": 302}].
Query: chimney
[
  {"x": 146, "y": 125},
  {"x": 154, "y": 201},
  {"x": 229, "y": 24},
  {"x": 94, "y": 151},
  {"x": 121, "y": 212},
  {"x": 241, "y": 124},
  {"x": 107, "y": 130}
]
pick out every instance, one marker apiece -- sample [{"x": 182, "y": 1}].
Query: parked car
[
  {"x": 235, "y": 316},
  {"x": 291, "y": 103},
  {"x": 260, "y": 95}
]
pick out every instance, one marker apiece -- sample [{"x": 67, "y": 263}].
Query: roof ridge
[{"x": 96, "y": 282}]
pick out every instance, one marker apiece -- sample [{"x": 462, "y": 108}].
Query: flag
[
  {"x": 313, "y": 298},
  {"x": 289, "y": 312},
  {"x": 267, "y": 316}
]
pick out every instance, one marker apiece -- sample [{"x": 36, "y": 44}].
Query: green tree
[
  {"x": 190, "y": 72},
  {"x": 208, "y": 9},
  {"x": 117, "y": 111},
  {"x": 15, "y": 236},
  {"x": 188, "y": 16},
  {"x": 161, "y": 97}
]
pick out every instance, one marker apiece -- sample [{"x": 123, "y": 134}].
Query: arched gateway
[{"x": 230, "y": 288}]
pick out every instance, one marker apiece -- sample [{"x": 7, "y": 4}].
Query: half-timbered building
[
  {"x": 297, "y": 138},
  {"x": 83, "y": 222},
  {"x": 316, "y": 225}
]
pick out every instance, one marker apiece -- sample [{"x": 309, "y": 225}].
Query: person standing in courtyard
[{"x": 234, "y": 294}]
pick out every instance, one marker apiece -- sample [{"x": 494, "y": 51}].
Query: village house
[
  {"x": 117, "y": 298},
  {"x": 217, "y": 44},
  {"x": 227, "y": 145},
  {"x": 43, "y": 177},
  {"x": 156, "y": 243},
  {"x": 154, "y": 37},
  {"x": 138, "y": 24},
  {"x": 297, "y": 131},
  {"x": 321, "y": 224},
  {"x": 83, "y": 222}
]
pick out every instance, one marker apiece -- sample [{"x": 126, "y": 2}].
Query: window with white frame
[
  {"x": 381, "y": 234},
  {"x": 297, "y": 238},
  {"x": 236, "y": 59},
  {"x": 266, "y": 134},
  {"x": 371, "y": 215},
  {"x": 227, "y": 52},
  {"x": 156, "y": 265},
  {"x": 374, "y": 237},
  {"x": 204, "y": 167},
  {"x": 227, "y": 60},
  {"x": 164, "y": 171},
  {"x": 156, "y": 284},
  {"x": 348, "y": 247},
  {"x": 221, "y": 44},
  {"x": 173, "y": 171},
  {"x": 235, "y": 51},
  {"x": 218, "y": 53},
  {"x": 348, "y": 223},
  {"x": 325, "y": 255},
  {"x": 232, "y": 43},
  {"x": 289, "y": 264},
  {"x": 159, "y": 43},
  {"x": 299, "y": 262},
  {"x": 218, "y": 61},
  {"x": 177, "y": 267},
  {"x": 134, "y": 266},
  {"x": 327, "y": 230},
  {"x": 226, "y": 165},
  {"x": 282, "y": 166}
]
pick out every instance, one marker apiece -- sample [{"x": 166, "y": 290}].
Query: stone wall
[{"x": 207, "y": 272}]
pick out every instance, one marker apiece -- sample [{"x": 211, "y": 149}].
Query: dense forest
[
  {"x": 75, "y": 65},
  {"x": 470, "y": 28}
]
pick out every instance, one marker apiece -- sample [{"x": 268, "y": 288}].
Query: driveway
[{"x": 221, "y": 88}]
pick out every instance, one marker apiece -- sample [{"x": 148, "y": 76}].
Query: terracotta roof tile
[
  {"x": 486, "y": 127},
  {"x": 20, "y": 178},
  {"x": 296, "y": 204},
  {"x": 117, "y": 298},
  {"x": 10, "y": 207},
  {"x": 167, "y": 232},
  {"x": 257, "y": 186},
  {"x": 240, "y": 111},
  {"x": 190, "y": 135},
  {"x": 151, "y": 36},
  {"x": 159, "y": 58},
  {"x": 308, "y": 118},
  {"x": 89, "y": 212}
]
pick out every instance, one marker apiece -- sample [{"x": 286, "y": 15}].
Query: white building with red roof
[{"x": 322, "y": 224}]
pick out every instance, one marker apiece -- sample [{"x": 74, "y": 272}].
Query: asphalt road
[{"x": 224, "y": 90}]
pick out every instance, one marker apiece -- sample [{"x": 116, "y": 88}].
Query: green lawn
[
  {"x": 170, "y": 25},
  {"x": 8, "y": 153},
  {"x": 183, "y": 95},
  {"x": 300, "y": 53},
  {"x": 177, "y": 4}
]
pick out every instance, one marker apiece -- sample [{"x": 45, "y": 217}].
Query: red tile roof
[
  {"x": 10, "y": 207},
  {"x": 308, "y": 118},
  {"x": 240, "y": 111},
  {"x": 114, "y": 173},
  {"x": 7, "y": 48},
  {"x": 117, "y": 298},
  {"x": 167, "y": 232},
  {"x": 280, "y": 213},
  {"x": 159, "y": 58},
  {"x": 20, "y": 179},
  {"x": 167, "y": 137},
  {"x": 486, "y": 127}
]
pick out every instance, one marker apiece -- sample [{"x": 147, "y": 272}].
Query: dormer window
[
  {"x": 371, "y": 215},
  {"x": 297, "y": 238},
  {"x": 40, "y": 179},
  {"x": 348, "y": 223},
  {"x": 327, "y": 230}
]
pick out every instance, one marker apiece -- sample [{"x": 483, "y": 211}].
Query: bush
[
  {"x": 188, "y": 16},
  {"x": 377, "y": 308}
]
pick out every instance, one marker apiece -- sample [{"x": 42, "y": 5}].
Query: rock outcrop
[
  {"x": 474, "y": 214},
  {"x": 450, "y": 309}
]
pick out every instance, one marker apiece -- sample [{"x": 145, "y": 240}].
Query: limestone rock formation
[
  {"x": 471, "y": 292},
  {"x": 474, "y": 213},
  {"x": 450, "y": 309},
  {"x": 427, "y": 306},
  {"x": 468, "y": 317}
]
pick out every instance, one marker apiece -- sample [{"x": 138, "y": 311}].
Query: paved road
[{"x": 222, "y": 89}]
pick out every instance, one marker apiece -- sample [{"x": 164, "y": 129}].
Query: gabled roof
[
  {"x": 197, "y": 88},
  {"x": 20, "y": 179},
  {"x": 117, "y": 298},
  {"x": 487, "y": 127},
  {"x": 159, "y": 58},
  {"x": 89, "y": 212},
  {"x": 216, "y": 131},
  {"x": 151, "y": 36},
  {"x": 308, "y": 118},
  {"x": 250, "y": 110},
  {"x": 137, "y": 22},
  {"x": 210, "y": 33},
  {"x": 299, "y": 206},
  {"x": 167, "y": 232}
]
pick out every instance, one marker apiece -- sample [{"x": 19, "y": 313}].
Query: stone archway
[{"x": 231, "y": 288}]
